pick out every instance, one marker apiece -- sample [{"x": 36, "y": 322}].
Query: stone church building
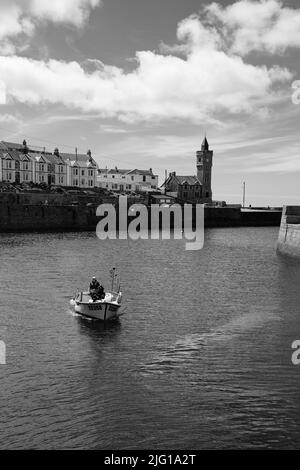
[{"x": 193, "y": 188}]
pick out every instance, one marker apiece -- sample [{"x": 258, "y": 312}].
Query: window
[
  {"x": 9, "y": 164},
  {"x": 9, "y": 176},
  {"x": 26, "y": 177},
  {"x": 82, "y": 172},
  {"x": 76, "y": 182},
  {"x": 75, "y": 172},
  {"x": 42, "y": 167},
  {"x": 144, "y": 178},
  {"x": 153, "y": 177},
  {"x": 90, "y": 172},
  {"x": 104, "y": 176},
  {"x": 25, "y": 166},
  {"x": 91, "y": 182},
  {"x": 113, "y": 176},
  {"x": 82, "y": 182},
  {"x": 196, "y": 194},
  {"x": 185, "y": 186},
  {"x": 132, "y": 178},
  {"x": 185, "y": 195}
]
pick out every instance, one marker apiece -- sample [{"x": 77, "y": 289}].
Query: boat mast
[{"x": 112, "y": 273}]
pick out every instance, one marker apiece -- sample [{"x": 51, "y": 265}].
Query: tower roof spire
[{"x": 205, "y": 145}]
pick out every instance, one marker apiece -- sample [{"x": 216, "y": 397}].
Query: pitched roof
[
  {"x": 12, "y": 145},
  {"x": 117, "y": 171},
  {"x": 191, "y": 180},
  {"x": 141, "y": 172},
  {"x": 20, "y": 147},
  {"x": 3, "y": 146},
  {"x": 80, "y": 158},
  {"x": 39, "y": 156},
  {"x": 14, "y": 155},
  {"x": 55, "y": 159}
]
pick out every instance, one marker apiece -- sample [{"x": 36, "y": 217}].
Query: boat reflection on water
[{"x": 98, "y": 330}]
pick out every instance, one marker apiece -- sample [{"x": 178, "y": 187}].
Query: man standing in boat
[{"x": 96, "y": 289}]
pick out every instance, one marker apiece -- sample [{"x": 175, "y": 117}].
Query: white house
[
  {"x": 81, "y": 169},
  {"x": 127, "y": 180}
]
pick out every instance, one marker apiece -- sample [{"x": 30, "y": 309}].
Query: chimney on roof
[
  {"x": 116, "y": 168},
  {"x": 150, "y": 170},
  {"x": 56, "y": 152},
  {"x": 173, "y": 173},
  {"x": 89, "y": 154},
  {"x": 25, "y": 148}
]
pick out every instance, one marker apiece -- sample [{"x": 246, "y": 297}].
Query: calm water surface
[{"x": 202, "y": 358}]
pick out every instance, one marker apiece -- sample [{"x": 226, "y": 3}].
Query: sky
[{"x": 140, "y": 83}]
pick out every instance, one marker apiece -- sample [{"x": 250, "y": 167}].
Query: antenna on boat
[{"x": 112, "y": 275}]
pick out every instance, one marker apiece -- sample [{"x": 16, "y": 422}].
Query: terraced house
[
  {"x": 19, "y": 163},
  {"x": 127, "y": 180}
]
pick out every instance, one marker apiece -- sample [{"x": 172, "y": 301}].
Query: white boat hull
[{"x": 100, "y": 309}]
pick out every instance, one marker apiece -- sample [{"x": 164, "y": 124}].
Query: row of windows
[
  {"x": 43, "y": 179},
  {"x": 82, "y": 172},
  {"x": 45, "y": 167},
  {"x": 132, "y": 177},
  {"x": 120, "y": 186},
  {"x": 76, "y": 182},
  {"x": 185, "y": 195},
  {"x": 186, "y": 186},
  {"x": 22, "y": 165}
]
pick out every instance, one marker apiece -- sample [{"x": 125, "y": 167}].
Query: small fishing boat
[{"x": 106, "y": 308}]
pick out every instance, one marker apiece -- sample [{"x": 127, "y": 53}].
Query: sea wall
[
  {"x": 24, "y": 212},
  {"x": 260, "y": 217},
  {"x": 289, "y": 232}
]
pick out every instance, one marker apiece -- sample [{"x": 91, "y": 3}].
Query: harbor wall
[
  {"x": 289, "y": 232},
  {"x": 56, "y": 212}
]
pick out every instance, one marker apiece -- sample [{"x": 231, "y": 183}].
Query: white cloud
[
  {"x": 210, "y": 77},
  {"x": 112, "y": 129},
  {"x": 12, "y": 20},
  {"x": 247, "y": 26},
  {"x": 75, "y": 12},
  {"x": 206, "y": 81},
  {"x": 19, "y": 18},
  {"x": 7, "y": 118}
]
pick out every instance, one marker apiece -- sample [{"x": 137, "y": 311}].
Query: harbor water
[{"x": 201, "y": 359}]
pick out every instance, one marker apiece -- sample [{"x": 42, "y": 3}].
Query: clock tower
[{"x": 204, "y": 168}]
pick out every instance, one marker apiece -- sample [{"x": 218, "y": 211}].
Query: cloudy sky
[{"x": 140, "y": 82}]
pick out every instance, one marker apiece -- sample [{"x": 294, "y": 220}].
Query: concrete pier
[{"x": 289, "y": 233}]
